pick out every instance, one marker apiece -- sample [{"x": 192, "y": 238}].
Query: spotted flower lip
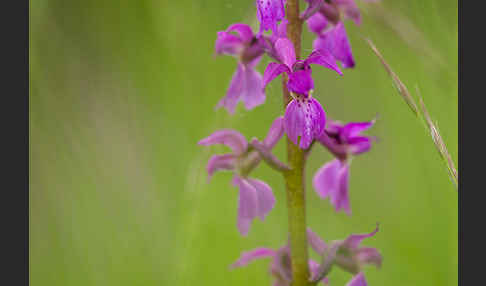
[
  {"x": 238, "y": 40},
  {"x": 305, "y": 118},
  {"x": 299, "y": 71},
  {"x": 332, "y": 179},
  {"x": 269, "y": 13}
]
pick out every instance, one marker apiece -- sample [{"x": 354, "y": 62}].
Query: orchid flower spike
[
  {"x": 256, "y": 198},
  {"x": 246, "y": 85},
  {"x": 332, "y": 179}
]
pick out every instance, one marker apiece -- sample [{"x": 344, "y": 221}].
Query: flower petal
[
  {"x": 243, "y": 30},
  {"x": 247, "y": 204},
  {"x": 350, "y": 9},
  {"x": 234, "y": 91},
  {"x": 341, "y": 199},
  {"x": 331, "y": 180},
  {"x": 325, "y": 181},
  {"x": 304, "y": 117},
  {"x": 227, "y": 43},
  {"x": 220, "y": 162},
  {"x": 317, "y": 244},
  {"x": 265, "y": 197},
  {"x": 275, "y": 133},
  {"x": 358, "y": 280},
  {"x": 286, "y": 52},
  {"x": 336, "y": 42},
  {"x": 249, "y": 256},
  {"x": 317, "y": 23},
  {"x": 354, "y": 240},
  {"x": 228, "y": 137},
  {"x": 246, "y": 85},
  {"x": 359, "y": 144},
  {"x": 323, "y": 58},
  {"x": 369, "y": 255},
  {"x": 355, "y": 128},
  {"x": 269, "y": 12},
  {"x": 300, "y": 82},
  {"x": 272, "y": 71},
  {"x": 282, "y": 266},
  {"x": 252, "y": 93}
]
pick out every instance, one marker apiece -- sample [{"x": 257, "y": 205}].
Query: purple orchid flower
[
  {"x": 350, "y": 255},
  {"x": 246, "y": 84},
  {"x": 325, "y": 20},
  {"x": 280, "y": 266},
  {"x": 304, "y": 115},
  {"x": 332, "y": 179},
  {"x": 269, "y": 13},
  {"x": 255, "y": 197}
]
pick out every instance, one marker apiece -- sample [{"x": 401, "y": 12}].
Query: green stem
[{"x": 294, "y": 179}]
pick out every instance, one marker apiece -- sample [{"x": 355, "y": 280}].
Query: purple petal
[
  {"x": 272, "y": 71},
  {"x": 252, "y": 93},
  {"x": 269, "y": 12},
  {"x": 359, "y": 144},
  {"x": 234, "y": 91},
  {"x": 369, "y": 255},
  {"x": 323, "y": 58},
  {"x": 336, "y": 42},
  {"x": 282, "y": 29},
  {"x": 246, "y": 85},
  {"x": 312, "y": 8},
  {"x": 304, "y": 117},
  {"x": 331, "y": 180},
  {"x": 358, "y": 280},
  {"x": 220, "y": 162},
  {"x": 281, "y": 265},
  {"x": 286, "y": 52},
  {"x": 355, "y": 128},
  {"x": 243, "y": 30},
  {"x": 300, "y": 82},
  {"x": 227, "y": 43},
  {"x": 247, "y": 204},
  {"x": 354, "y": 240},
  {"x": 335, "y": 147},
  {"x": 265, "y": 197},
  {"x": 249, "y": 256},
  {"x": 325, "y": 181},
  {"x": 317, "y": 23},
  {"x": 228, "y": 137},
  {"x": 275, "y": 133},
  {"x": 350, "y": 9},
  {"x": 314, "y": 270},
  {"x": 317, "y": 244}
]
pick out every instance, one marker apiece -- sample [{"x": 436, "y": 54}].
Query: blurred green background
[{"x": 120, "y": 94}]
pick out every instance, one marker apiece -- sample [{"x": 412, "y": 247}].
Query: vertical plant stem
[{"x": 294, "y": 179}]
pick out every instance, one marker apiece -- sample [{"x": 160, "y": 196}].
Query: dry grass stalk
[{"x": 424, "y": 115}]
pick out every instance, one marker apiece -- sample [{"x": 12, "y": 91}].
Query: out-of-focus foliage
[{"x": 121, "y": 91}]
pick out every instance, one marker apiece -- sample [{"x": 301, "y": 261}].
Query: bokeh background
[{"x": 120, "y": 94}]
